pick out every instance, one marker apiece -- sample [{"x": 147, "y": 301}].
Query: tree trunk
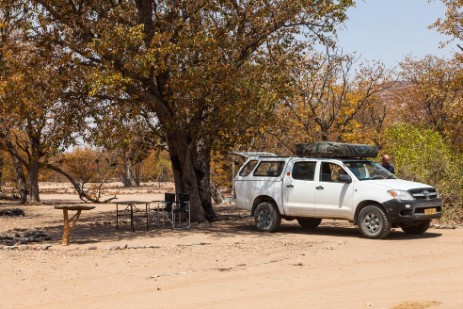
[
  {"x": 216, "y": 195},
  {"x": 21, "y": 179},
  {"x": 34, "y": 194},
  {"x": 191, "y": 167},
  {"x": 136, "y": 177},
  {"x": 1, "y": 170},
  {"x": 126, "y": 175}
]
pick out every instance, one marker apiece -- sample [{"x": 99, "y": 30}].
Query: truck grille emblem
[{"x": 426, "y": 194}]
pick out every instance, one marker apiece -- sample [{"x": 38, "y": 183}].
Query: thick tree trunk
[{"x": 191, "y": 167}]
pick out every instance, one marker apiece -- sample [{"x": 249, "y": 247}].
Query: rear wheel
[
  {"x": 416, "y": 227},
  {"x": 309, "y": 223},
  {"x": 266, "y": 217},
  {"x": 373, "y": 222}
]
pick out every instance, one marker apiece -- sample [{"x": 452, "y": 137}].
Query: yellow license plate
[{"x": 430, "y": 211}]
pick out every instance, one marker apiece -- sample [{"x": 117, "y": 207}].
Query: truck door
[
  {"x": 299, "y": 188},
  {"x": 332, "y": 197}
]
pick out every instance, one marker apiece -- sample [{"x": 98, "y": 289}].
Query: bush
[{"x": 422, "y": 155}]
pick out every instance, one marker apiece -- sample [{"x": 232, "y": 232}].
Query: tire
[
  {"x": 309, "y": 223},
  {"x": 373, "y": 222},
  {"x": 418, "y": 227},
  {"x": 266, "y": 217}
]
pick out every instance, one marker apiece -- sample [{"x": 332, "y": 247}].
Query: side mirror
[{"x": 345, "y": 178}]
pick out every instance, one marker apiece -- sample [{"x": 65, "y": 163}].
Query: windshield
[{"x": 365, "y": 170}]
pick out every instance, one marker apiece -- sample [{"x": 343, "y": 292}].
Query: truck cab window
[
  {"x": 304, "y": 170},
  {"x": 269, "y": 168},
  {"x": 330, "y": 172},
  {"x": 248, "y": 168}
]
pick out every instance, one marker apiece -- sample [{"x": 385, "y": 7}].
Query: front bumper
[{"x": 410, "y": 211}]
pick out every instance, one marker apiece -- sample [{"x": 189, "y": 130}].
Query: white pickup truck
[{"x": 312, "y": 189}]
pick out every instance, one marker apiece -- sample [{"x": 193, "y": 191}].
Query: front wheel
[
  {"x": 416, "y": 227},
  {"x": 373, "y": 222},
  {"x": 266, "y": 217}
]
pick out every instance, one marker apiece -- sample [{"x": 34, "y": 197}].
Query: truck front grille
[{"x": 424, "y": 194}]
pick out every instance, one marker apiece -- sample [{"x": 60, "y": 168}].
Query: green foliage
[{"x": 421, "y": 154}]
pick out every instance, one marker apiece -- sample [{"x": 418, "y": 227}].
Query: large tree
[
  {"x": 38, "y": 118},
  {"x": 13, "y": 24},
  {"x": 204, "y": 68},
  {"x": 41, "y": 107},
  {"x": 432, "y": 93},
  {"x": 334, "y": 99},
  {"x": 452, "y": 23}
]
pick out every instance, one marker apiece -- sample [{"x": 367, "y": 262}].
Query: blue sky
[{"x": 389, "y": 30}]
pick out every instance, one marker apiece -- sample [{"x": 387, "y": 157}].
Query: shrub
[{"x": 421, "y": 154}]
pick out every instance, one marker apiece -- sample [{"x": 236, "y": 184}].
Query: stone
[{"x": 45, "y": 247}]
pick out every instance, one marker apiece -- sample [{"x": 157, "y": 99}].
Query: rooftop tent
[{"x": 336, "y": 150}]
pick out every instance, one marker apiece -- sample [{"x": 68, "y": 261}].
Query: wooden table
[
  {"x": 129, "y": 208},
  {"x": 69, "y": 223}
]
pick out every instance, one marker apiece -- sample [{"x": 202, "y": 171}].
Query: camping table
[
  {"x": 69, "y": 223},
  {"x": 132, "y": 210}
]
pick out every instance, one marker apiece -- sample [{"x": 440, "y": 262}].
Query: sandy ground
[{"x": 227, "y": 264}]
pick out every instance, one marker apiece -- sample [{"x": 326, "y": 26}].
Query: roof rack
[{"x": 248, "y": 154}]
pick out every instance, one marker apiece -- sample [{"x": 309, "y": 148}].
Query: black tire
[
  {"x": 418, "y": 227},
  {"x": 373, "y": 222},
  {"x": 266, "y": 217},
  {"x": 309, "y": 223}
]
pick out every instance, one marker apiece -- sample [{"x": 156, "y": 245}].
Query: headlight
[{"x": 401, "y": 195}]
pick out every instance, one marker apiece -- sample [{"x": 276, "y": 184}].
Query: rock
[
  {"x": 23, "y": 240},
  {"x": 116, "y": 247},
  {"x": 16, "y": 212},
  {"x": 137, "y": 247},
  {"x": 28, "y": 236},
  {"x": 9, "y": 242}
]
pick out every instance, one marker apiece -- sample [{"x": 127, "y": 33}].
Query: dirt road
[{"x": 228, "y": 265}]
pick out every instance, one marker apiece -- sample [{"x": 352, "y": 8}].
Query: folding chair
[
  {"x": 165, "y": 213},
  {"x": 181, "y": 212}
]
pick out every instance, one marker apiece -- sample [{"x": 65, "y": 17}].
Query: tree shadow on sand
[{"x": 100, "y": 226}]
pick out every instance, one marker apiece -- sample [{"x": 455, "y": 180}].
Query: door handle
[
  {"x": 289, "y": 186},
  {"x": 319, "y": 188}
]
